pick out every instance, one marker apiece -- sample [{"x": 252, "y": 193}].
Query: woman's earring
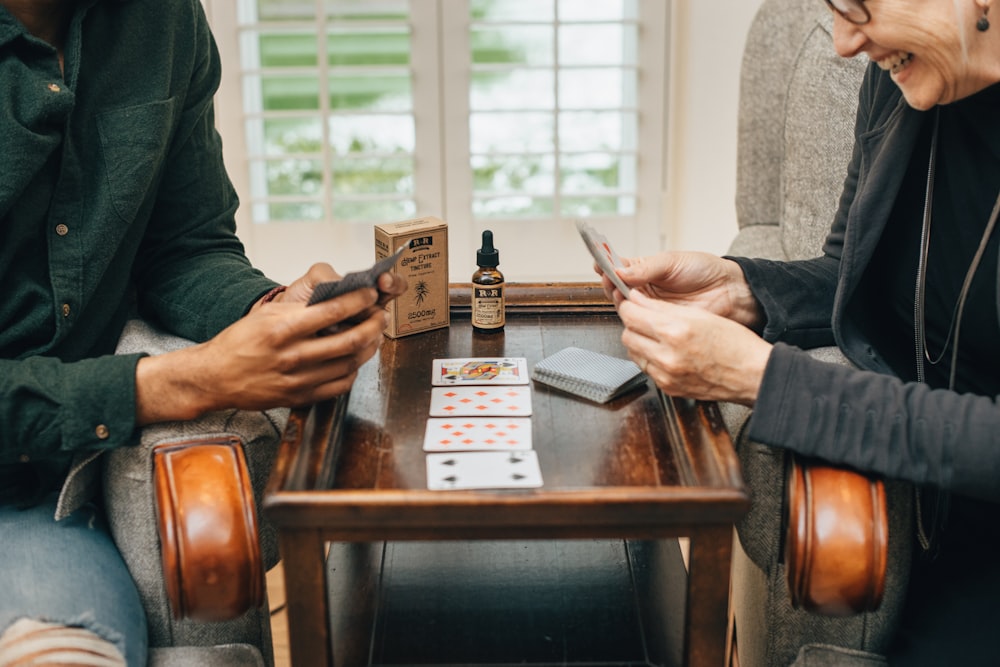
[{"x": 983, "y": 24}]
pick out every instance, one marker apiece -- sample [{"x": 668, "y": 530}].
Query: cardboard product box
[{"x": 424, "y": 305}]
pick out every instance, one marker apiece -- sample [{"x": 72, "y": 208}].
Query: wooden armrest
[
  {"x": 836, "y": 547},
  {"x": 208, "y": 529}
]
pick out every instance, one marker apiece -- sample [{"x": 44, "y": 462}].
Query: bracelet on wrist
[{"x": 270, "y": 296}]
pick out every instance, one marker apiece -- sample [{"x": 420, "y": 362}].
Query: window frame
[{"x": 443, "y": 174}]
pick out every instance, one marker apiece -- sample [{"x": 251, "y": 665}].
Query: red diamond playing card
[
  {"x": 507, "y": 401},
  {"x": 466, "y": 434}
]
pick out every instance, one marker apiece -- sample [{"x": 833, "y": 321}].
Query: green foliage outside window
[{"x": 369, "y": 73}]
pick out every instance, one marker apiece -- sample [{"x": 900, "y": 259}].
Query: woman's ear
[{"x": 983, "y": 22}]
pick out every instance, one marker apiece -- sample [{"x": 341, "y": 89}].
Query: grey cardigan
[{"x": 864, "y": 417}]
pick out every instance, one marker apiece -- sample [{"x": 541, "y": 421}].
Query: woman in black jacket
[{"x": 906, "y": 287}]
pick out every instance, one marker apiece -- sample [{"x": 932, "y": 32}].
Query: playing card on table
[
  {"x": 602, "y": 252},
  {"x": 500, "y": 400},
  {"x": 480, "y": 370},
  {"x": 477, "y": 434},
  {"x": 483, "y": 470}
]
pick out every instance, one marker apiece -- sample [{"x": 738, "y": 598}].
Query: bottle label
[{"x": 487, "y": 306}]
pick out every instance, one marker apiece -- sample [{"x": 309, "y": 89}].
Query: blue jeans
[{"x": 69, "y": 572}]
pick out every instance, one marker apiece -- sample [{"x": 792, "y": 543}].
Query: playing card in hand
[
  {"x": 356, "y": 279},
  {"x": 602, "y": 252}
]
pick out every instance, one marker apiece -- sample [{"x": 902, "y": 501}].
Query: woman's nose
[{"x": 848, "y": 39}]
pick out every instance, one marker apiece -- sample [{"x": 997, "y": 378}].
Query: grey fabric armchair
[
  {"x": 130, "y": 500},
  {"x": 798, "y": 100}
]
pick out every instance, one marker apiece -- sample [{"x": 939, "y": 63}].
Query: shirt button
[
  {"x": 65, "y": 310},
  {"x": 54, "y": 87},
  {"x": 102, "y": 432},
  {"x": 62, "y": 230}
]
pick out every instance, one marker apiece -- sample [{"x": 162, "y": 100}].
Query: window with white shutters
[{"x": 515, "y": 115}]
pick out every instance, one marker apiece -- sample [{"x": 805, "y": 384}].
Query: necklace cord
[
  {"x": 925, "y": 231},
  {"x": 955, "y": 326},
  {"x": 957, "y": 317},
  {"x": 940, "y": 498}
]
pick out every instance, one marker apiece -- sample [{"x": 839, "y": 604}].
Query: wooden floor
[{"x": 279, "y": 617}]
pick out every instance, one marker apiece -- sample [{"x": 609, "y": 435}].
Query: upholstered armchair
[
  {"x": 206, "y": 601},
  {"x": 797, "y": 107}
]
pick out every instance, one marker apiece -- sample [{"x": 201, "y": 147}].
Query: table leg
[
  {"x": 302, "y": 552},
  {"x": 707, "y": 616}
]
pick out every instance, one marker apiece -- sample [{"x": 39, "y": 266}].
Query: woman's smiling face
[{"x": 931, "y": 47}]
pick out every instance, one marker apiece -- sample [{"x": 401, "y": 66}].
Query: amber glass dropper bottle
[{"x": 487, "y": 289}]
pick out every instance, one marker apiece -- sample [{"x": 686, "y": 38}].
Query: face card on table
[
  {"x": 493, "y": 400},
  {"x": 483, "y": 470},
  {"x": 480, "y": 371},
  {"x": 467, "y": 434}
]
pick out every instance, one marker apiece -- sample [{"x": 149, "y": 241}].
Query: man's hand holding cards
[{"x": 354, "y": 281}]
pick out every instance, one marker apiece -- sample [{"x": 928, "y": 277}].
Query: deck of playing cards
[
  {"x": 479, "y": 430},
  {"x": 592, "y": 375}
]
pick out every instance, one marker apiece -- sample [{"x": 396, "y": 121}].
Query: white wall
[{"x": 699, "y": 196}]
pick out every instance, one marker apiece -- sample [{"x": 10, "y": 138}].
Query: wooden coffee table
[{"x": 645, "y": 467}]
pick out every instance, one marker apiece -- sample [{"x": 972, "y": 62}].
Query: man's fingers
[
  {"x": 326, "y": 376},
  {"x": 302, "y": 320},
  {"x": 352, "y": 340}
]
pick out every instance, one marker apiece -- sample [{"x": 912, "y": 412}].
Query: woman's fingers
[{"x": 689, "y": 352}]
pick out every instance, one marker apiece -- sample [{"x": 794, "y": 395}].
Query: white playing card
[
  {"x": 483, "y": 470},
  {"x": 480, "y": 371},
  {"x": 493, "y": 400},
  {"x": 602, "y": 252},
  {"x": 477, "y": 434}
]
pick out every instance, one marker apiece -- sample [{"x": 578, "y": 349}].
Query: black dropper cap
[{"x": 488, "y": 256}]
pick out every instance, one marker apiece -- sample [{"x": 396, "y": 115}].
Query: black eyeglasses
[{"x": 852, "y": 10}]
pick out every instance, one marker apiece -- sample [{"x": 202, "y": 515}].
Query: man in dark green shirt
[{"x": 114, "y": 197}]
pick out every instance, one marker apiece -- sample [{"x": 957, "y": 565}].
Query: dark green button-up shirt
[{"x": 113, "y": 194}]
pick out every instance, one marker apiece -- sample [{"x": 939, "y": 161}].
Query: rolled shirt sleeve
[{"x": 49, "y": 407}]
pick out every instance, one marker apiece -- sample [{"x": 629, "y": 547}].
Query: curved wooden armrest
[
  {"x": 207, "y": 522},
  {"x": 836, "y": 547}
]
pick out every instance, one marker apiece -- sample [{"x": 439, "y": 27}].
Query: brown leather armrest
[
  {"x": 836, "y": 547},
  {"x": 207, "y": 523}
]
